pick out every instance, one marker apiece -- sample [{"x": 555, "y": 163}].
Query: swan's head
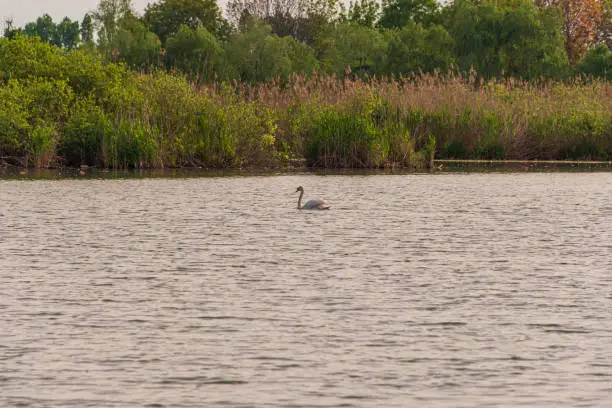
[{"x": 300, "y": 188}]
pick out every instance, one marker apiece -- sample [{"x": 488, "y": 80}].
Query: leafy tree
[
  {"x": 363, "y": 12},
  {"x": 256, "y": 54},
  {"x": 416, "y": 48},
  {"x": 397, "y": 13},
  {"x": 598, "y": 62},
  {"x": 45, "y": 28},
  {"x": 516, "y": 38},
  {"x": 531, "y": 43},
  {"x": 474, "y": 29},
  {"x": 194, "y": 51},
  {"x": 302, "y": 57},
  {"x": 581, "y": 22},
  {"x": 304, "y": 20},
  {"x": 87, "y": 30},
  {"x": 165, "y": 17},
  {"x": 68, "y": 32},
  {"x": 107, "y": 16},
  {"x": 134, "y": 44},
  {"x": 355, "y": 47}
]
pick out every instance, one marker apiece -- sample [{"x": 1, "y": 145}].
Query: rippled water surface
[{"x": 458, "y": 290}]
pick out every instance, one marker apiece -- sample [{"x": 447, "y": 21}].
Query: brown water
[{"x": 460, "y": 290}]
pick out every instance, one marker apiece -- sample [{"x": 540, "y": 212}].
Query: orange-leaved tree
[{"x": 582, "y": 21}]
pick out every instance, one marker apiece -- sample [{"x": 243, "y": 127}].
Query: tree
[
  {"x": 303, "y": 20},
  {"x": 134, "y": 44},
  {"x": 398, "y": 13},
  {"x": 364, "y": 12},
  {"x": 302, "y": 57},
  {"x": 581, "y": 22},
  {"x": 356, "y": 47},
  {"x": 10, "y": 31},
  {"x": 107, "y": 16},
  {"x": 255, "y": 54},
  {"x": 45, "y": 28},
  {"x": 474, "y": 28},
  {"x": 87, "y": 30},
  {"x": 605, "y": 27},
  {"x": 515, "y": 38},
  {"x": 531, "y": 43},
  {"x": 598, "y": 62},
  {"x": 68, "y": 32},
  {"x": 194, "y": 51},
  {"x": 416, "y": 48},
  {"x": 165, "y": 17}
]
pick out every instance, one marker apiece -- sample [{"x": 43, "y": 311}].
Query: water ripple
[{"x": 463, "y": 290}]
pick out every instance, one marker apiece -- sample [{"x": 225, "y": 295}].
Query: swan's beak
[{"x": 297, "y": 189}]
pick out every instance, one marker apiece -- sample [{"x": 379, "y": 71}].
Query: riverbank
[{"x": 66, "y": 109}]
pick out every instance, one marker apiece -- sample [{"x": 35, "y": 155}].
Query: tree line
[{"x": 259, "y": 40}]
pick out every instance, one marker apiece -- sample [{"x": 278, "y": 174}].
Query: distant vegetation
[{"x": 370, "y": 86}]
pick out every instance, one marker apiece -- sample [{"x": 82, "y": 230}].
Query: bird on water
[{"x": 312, "y": 204}]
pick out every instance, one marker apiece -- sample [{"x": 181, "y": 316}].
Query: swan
[{"x": 312, "y": 204}]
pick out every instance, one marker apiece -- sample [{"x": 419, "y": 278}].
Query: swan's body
[{"x": 312, "y": 204}]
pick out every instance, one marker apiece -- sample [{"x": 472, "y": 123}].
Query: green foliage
[
  {"x": 107, "y": 16},
  {"x": 27, "y": 58},
  {"x": 399, "y": 13},
  {"x": 253, "y": 131},
  {"x": 303, "y": 60},
  {"x": 45, "y": 29},
  {"x": 354, "y": 47},
  {"x": 366, "y": 133},
  {"x": 165, "y": 17},
  {"x": 74, "y": 107},
  {"x": 577, "y": 135},
  {"x": 30, "y": 113},
  {"x": 69, "y": 33},
  {"x": 256, "y": 54},
  {"x": 194, "y": 52},
  {"x": 14, "y": 119},
  {"x": 597, "y": 62},
  {"x": 531, "y": 42},
  {"x": 86, "y": 132},
  {"x": 169, "y": 108},
  {"x": 305, "y": 21},
  {"x": 415, "y": 49},
  {"x": 339, "y": 139},
  {"x": 130, "y": 145},
  {"x": 134, "y": 44},
  {"x": 87, "y": 30},
  {"x": 516, "y": 38},
  {"x": 41, "y": 144},
  {"x": 363, "y": 12}
]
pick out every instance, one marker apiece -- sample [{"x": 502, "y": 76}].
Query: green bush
[
  {"x": 130, "y": 146},
  {"x": 85, "y": 136}
]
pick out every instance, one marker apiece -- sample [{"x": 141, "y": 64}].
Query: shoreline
[
  {"x": 441, "y": 166},
  {"x": 531, "y": 162}
]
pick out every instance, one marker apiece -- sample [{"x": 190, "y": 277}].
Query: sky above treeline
[{"x": 25, "y": 11}]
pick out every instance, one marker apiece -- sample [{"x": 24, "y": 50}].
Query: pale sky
[{"x": 25, "y": 11}]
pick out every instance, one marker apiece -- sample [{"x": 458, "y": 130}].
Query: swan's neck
[{"x": 300, "y": 200}]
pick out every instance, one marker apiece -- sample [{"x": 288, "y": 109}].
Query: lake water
[{"x": 447, "y": 290}]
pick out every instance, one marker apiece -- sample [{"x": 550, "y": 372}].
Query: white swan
[{"x": 312, "y": 204}]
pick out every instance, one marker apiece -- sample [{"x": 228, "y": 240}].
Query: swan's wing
[{"x": 316, "y": 205}]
